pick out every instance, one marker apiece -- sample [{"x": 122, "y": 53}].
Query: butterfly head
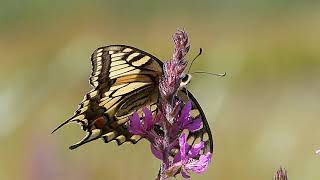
[{"x": 185, "y": 80}]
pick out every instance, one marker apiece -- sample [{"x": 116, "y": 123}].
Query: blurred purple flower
[
  {"x": 281, "y": 174},
  {"x": 186, "y": 159}
]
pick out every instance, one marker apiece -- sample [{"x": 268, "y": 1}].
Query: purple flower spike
[
  {"x": 181, "y": 43},
  {"x": 174, "y": 68},
  {"x": 185, "y": 159},
  {"x": 164, "y": 131}
]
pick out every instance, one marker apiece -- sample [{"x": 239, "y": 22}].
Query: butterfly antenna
[
  {"x": 213, "y": 74},
  {"x": 200, "y": 52}
]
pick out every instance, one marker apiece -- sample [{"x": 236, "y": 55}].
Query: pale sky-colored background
[{"x": 263, "y": 114}]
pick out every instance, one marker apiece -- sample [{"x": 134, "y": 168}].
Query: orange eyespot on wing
[{"x": 100, "y": 122}]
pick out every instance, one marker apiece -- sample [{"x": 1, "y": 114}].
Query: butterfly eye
[{"x": 185, "y": 80}]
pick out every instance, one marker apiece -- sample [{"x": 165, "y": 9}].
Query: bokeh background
[{"x": 264, "y": 114}]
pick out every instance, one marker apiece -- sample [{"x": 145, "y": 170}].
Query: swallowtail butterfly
[{"x": 126, "y": 79}]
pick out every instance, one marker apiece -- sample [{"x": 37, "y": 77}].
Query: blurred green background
[{"x": 263, "y": 114}]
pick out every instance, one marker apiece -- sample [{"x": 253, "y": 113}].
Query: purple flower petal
[
  {"x": 187, "y": 160},
  {"x": 158, "y": 117},
  {"x": 183, "y": 145},
  {"x": 201, "y": 165},
  {"x": 158, "y": 154},
  {"x": 184, "y": 174},
  {"x": 194, "y": 125},
  {"x": 147, "y": 118},
  {"x": 177, "y": 157},
  {"x": 185, "y": 112},
  {"x": 135, "y": 126},
  {"x": 195, "y": 150}
]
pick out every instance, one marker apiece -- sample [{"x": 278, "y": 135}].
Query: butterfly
[{"x": 124, "y": 80}]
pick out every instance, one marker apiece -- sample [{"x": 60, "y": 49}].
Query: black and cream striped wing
[
  {"x": 124, "y": 79},
  {"x": 204, "y": 134}
]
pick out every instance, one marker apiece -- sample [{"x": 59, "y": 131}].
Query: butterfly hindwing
[
  {"x": 124, "y": 79},
  {"x": 203, "y": 134}
]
